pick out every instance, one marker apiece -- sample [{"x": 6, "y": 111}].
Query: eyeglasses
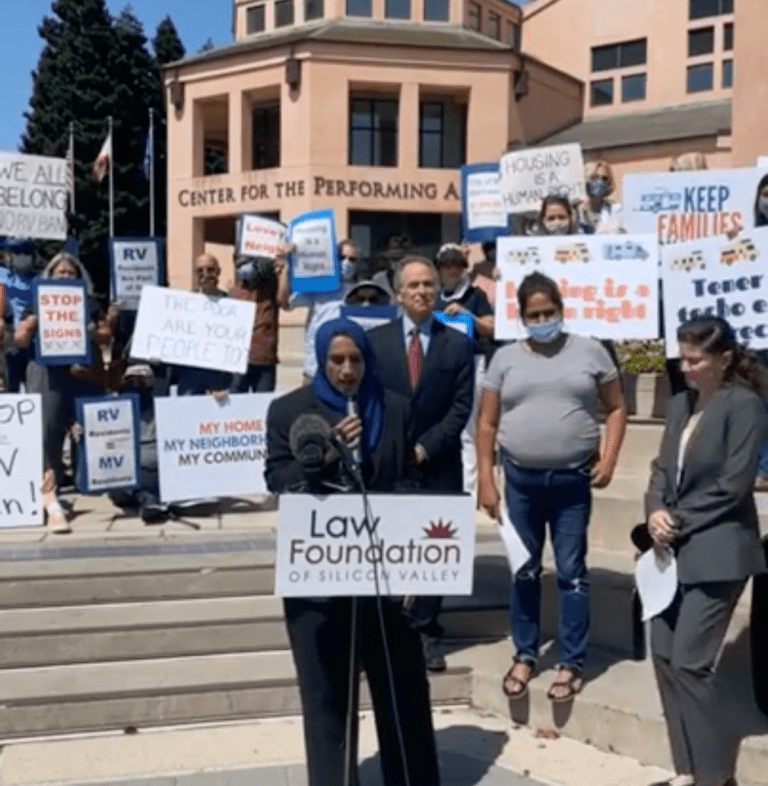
[{"x": 203, "y": 270}]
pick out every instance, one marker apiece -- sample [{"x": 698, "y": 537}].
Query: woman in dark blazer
[
  {"x": 319, "y": 628},
  {"x": 701, "y": 506}
]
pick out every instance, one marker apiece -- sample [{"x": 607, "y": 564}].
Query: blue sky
[{"x": 20, "y": 45}]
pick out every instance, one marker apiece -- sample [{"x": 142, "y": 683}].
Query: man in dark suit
[{"x": 433, "y": 366}]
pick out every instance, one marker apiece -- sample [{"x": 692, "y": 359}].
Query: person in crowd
[
  {"x": 319, "y": 628},
  {"x": 17, "y": 271},
  {"x": 386, "y": 262},
  {"x": 700, "y": 505},
  {"x": 557, "y": 217},
  {"x": 458, "y": 296},
  {"x": 433, "y": 366},
  {"x": 598, "y": 213},
  {"x": 192, "y": 381},
  {"x": 688, "y": 162},
  {"x": 367, "y": 293},
  {"x": 59, "y": 386},
  {"x": 259, "y": 280},
  {"x": 483, "y": 273},
  {"x": 323, "y": 306},
  {"x": 761, "y": 202},
  {"x": 541, "y": 400}
]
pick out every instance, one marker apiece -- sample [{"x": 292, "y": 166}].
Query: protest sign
[
  {"x": 683, "y": 206},
  {"x": 609, "y": 283},
  {"x": 717, "y": 277},
  {"x": 327, "y": 546},
  {"x": 109, "y": 458},
  {"x": 207, "y": 448},
  {"x": 192, "y": 329},
  {"x": 134, "y": 262},
  {"x": 483, "y": 215},
  {"x": 314, "y": 265},
  {"x": 527, "y": 176},
  {"x": 463, "y": 322},
  {"x": 21, "y": 460},
  {"x": 258, "y": 236},
  {"x": 62, "y": 322},
  {"x": 33, "y": 196}
]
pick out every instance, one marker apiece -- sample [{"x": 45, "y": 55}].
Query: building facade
[{"x": 367, "y": 107}]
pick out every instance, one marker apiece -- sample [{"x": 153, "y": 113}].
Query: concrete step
[{"x": 112, "y": 696}]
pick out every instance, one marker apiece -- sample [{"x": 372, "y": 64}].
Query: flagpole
[
  {"x": 72, "y": 165},
  {"x": 111, "y": 182},
  {"x": 151, "y": 144}
]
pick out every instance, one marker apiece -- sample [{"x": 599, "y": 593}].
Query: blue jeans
[{"x": 563, "y": 499}]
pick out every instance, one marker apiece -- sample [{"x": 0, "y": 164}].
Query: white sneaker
[{"x": 56, "y": 518}]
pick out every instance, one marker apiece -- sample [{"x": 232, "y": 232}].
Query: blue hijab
[{"x": 370, "y": 394}]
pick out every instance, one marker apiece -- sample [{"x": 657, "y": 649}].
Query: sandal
[
  {"x": 515, "y": 687},
  {"x": 571, "y": 686}
]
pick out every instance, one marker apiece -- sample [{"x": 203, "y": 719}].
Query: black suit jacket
[
  {"x": 386, "y": 470},
  {"x": 440, "y": 404},
  {"x": 713, "y": 504}
]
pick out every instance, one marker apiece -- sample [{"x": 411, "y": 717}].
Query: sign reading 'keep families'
[
  {"x": 609, "y": 283},
  {"x": 192, "y": 329},
  {"x": 718, "y": 277}
]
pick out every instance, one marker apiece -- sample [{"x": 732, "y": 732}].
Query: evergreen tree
[{"x": 167, "y": 44}]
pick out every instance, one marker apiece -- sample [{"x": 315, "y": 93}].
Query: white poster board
[
  {"x": 62, "y": 321},
  {"x": 192, "y": 329},
  {"x": 21, "y": 460},
  {"x": 683, "y": 206},
  {"x": 211, "y": 449},
  {"x": 33, "y": 196},
  {"x": 136, "y": 263},
  {"x": 259, "y": 236},
  {"x": 414, "y": 544},
  {"x": 527, "y": 176},
  {"x": 609, "y": 283},
  {"x": 718, "y": 277}
]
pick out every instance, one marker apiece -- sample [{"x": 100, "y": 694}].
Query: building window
[
  {"x": 633, "y": 88},
  {"x": 473, "y": 17},
  {"x": 601, "y": 92},
  {"x": 701, "y": 41},
  {"x": 624, "y": 55},
  {"x": 494, "y": 26},
  {"x": 313, "y": 9},
  {"x": 254, "y": 19},
  {"x": 373, "y": 132},
  {"x": 283, "y": 13},
  {"x": 436, "y": 10},
  {"x": 698, "y": 9},
  {"x": 430, "y": 134},
  {"x": 359, "y": 7},
  {"x": 700, "y": 78},
  {"x": 513, "y": 35},
  {"x": 397, "y": 9},
  {"x": 265, "y": 119},
  {"x": 728, "y": 36},
  {"x": 727, "y": 74}
]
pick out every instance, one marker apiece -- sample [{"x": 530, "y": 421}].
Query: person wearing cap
[{"x": 368, "y": 293}]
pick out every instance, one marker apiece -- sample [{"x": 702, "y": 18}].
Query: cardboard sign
[
  {"x": 327, "y": 546},
  {"x": 192, "y": 329},
  {"x": 314, "y": 265},
  {"x": 609, "y": 283},
  {"x": 369, "y": 317},
  {"x": 134, "y": 263},
  {"x": 683, "y": 206},
  {"x": 21, "y": 460},
  {"x": 718, "y": 277},
  {"x": 483, "y": 215},
  {"x": 527, "y": 176},
  {"x": 211, "y": 449},
  {"x": 109, "y": 458},
  {"x": 33, "y": 195},
  {"x": 259, "y": 237},
  {"x": 62, "y": 322}
]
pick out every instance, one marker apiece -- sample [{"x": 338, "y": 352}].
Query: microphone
[
  {"x": 354, "y": 448},
  {"x": 309, "y": 438}
]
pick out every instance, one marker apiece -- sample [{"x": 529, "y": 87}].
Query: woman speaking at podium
[{"x": 311, "y": 433}]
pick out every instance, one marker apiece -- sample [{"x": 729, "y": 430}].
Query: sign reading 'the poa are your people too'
[
  {"x": 192, "y": 329},
  {"x": 327, "y": 546}
]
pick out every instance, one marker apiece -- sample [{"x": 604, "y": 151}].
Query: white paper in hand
[
  {"x": 656, "y": 579},
  {"x": 517, "y": 553}
]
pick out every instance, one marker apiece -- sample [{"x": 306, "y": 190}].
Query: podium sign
[{"x": 414, "y": 544}]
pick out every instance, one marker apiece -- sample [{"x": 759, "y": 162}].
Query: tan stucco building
[{"x": 367, "y": 107}]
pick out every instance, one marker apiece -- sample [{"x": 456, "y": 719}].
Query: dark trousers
[
  {"x": 257, "y": 379},
  {"x": 319, "y": 631},
  {"x": 685, "y": 641}
]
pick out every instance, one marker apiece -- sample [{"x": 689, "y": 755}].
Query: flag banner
[{"x": 100, "y": 166}]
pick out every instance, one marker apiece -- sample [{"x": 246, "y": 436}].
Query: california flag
[{"x": 101, "y": 164}]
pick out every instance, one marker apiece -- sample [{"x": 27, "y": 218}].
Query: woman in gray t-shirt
[{"x": 540, "y": 400}]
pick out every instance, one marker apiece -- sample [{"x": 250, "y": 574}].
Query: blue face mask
[
  {"x": 545, "y": 332},
  {"x": 347, "y": 269},
  {"x": 597, "y": 187}
]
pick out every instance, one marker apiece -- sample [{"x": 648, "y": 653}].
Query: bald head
[{"x": 207, "y": 273}]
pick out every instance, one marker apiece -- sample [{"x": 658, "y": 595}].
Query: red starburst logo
[{"x": 440, "y": 530}]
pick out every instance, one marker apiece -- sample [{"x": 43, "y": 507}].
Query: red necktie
[{"x": 415, "y": 358}]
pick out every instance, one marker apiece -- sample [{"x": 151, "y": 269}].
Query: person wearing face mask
[
  {"x": 540, "y": 400},
  {"x": 761, "y": 203},
  {"x": 597, "y": 213},
  {"x": 556, "y": 216}
]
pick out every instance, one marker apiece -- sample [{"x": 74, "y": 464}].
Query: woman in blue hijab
[{"x": 346, "y": 403}]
